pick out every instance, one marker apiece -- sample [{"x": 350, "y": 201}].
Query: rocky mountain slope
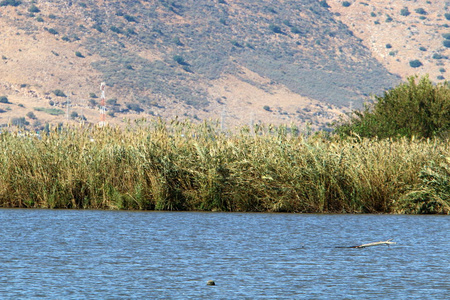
[{"x": 301, "y": 62}]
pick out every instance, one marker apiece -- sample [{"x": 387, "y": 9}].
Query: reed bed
[{"x": 182, "y": 166}]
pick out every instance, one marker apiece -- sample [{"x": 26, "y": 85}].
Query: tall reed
[{"x": 183, "y": 166}]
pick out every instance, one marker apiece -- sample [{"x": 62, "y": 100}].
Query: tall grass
[{"x": 182, "y": 166}]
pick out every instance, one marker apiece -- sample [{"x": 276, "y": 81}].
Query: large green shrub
[{"x": 415, "y": 108}]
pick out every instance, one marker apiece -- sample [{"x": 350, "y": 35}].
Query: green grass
[
  {"x": 50, "y": 111},
  {"x": 181, "y": 166}
]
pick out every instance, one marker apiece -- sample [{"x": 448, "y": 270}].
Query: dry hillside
[{"x": 302, "y": 62}]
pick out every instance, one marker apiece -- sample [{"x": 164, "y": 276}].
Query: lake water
[{"x": 85, "y": 254}]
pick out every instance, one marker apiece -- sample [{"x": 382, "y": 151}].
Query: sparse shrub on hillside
[
  {"x": 97, "y": 27},
  {"x": 446, "y": 36},
  {"x": 4, "y": 99},
  {"x": 267, "y": 108},
  {"x": 287, "y": 23},
  {"x": 177, "y": 41},
  {"x": 446, "y": 43},
  {"x": 59, "y": 93},
  {"x": 440, "y": 77},
  {"x": 92, "y": 103},
  {"x": 295, "y": 30},
  {"x": 130, "y": 18},
  {"x": 437, "y": 56},
  {"x": 131, "y": 31},
  {"x": 93, "y": 95},
  {"x": 180, "y": 60},
  {"x": 10, "y": 3},
  {"x": 421, "y": 11},
  {"x": 82, "y": 4},
  {"x": 405, "y": 12},
  {"x": 236, "y": 43},
  {"x": 39, "y": 19},
  {"x": 134, "y": 106},
  {"x": 115, "y": 29},
  {"x": 447, "y": 16},
  {"x": 324, "y": 3},
  {"x": 422, "y": 48},
  {"x": 388, "y": 19},
  {"x": 33, "y": 9},
  {"x": 388, "y": 46},
  {"x": 31, "y": 115},
  {"x": 65, "y": 38},
  {"x": 222, "y": 1},
  {"x": 415, "y": 63},
  {"x": 78, "y": 54},
  {"x": 112, "y": 102},
  {"x": 372, "y": 14},
  {"x": 51, "y": 30},
  {"x": 51, "y": 16},
  {"x": 442, "y": 70},
  {"x": 74, "y": 115},
  {"x": 346, "y": 4},
  {"x": 275, "y": 28},
  {"x": 19, "y": 122}
]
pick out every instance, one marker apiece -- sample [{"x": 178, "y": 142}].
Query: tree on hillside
[{"x": 414, "y": 108}]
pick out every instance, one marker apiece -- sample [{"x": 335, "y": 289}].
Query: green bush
[
  {"x": 130, "y": 18},
  {"x": 446, "y": 43},
  {"x": 267, "y": 107},
  {"x": 421, "y": 11},
  {"x": 19, "y": 122},
  {"x": 78, "y": 54},
  {"x": 420, "y": 109},
  {"x": 59, "y": 93},
  {"x": 346, "y": 4},
  {"x": 275, "y": 28},
  {"x": 447, "y": 16},
  {"x": 33, "y": 9},
  {"x": 134, "y": 106},
  {"x": 31, "y": 115},
  {"x": 405, "y": 12},
  {"x": 10, "y": 3},
  {"x": 415, "y": 63},
  {"x": 52, "y": 31},
  {"x": 324, "y": 3},
  {"x": 180, "y": 60},
  {"x": 115, "y": 29},
  {"x": 4, "y": 99}
]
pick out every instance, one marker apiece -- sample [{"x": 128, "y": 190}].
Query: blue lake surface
[{"x": 86, "y": 254}]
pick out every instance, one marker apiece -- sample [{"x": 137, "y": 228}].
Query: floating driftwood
[{"x": 388, "y": 242}]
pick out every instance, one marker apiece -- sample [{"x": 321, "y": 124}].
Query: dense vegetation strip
[{"x": 182, "y": 166}]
